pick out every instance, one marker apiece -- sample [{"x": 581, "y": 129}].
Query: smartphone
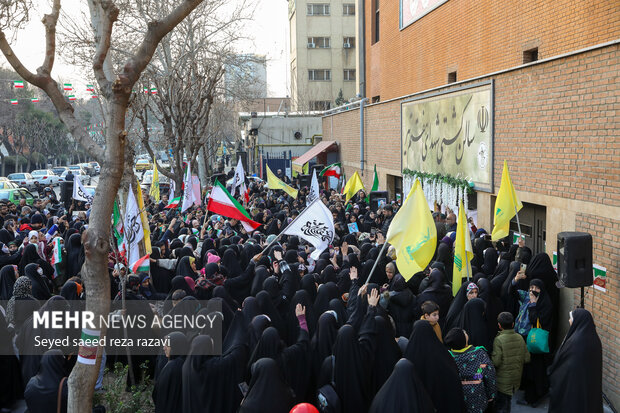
[{"x": 523, "y": 267}]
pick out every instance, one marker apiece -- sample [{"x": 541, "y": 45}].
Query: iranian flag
[
  {"x": 332, "y": 170},
  {"x": 90, "y": 88},
  {"x": 67, "y": 86},
  {"x": 142, "y": 265},
  {"x": 153, "y": 90},
  {"x": 94, "y": 96},
  {"x": 18, "y": 84},
  {"x": 34, "y": 100},
  {"x": 14, "y": 102},
  {"x": 222, "y": 203},
  {"x": 174, "y": 203},
  {"x": 71, "y": 97},
  {"x": 56, "y": 255}
]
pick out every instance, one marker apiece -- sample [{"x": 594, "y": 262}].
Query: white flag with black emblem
[
  {"x": 79, "y": 192},
  {"x": 188, "y": 192},
  {"x": 314, "y": 189},
  {"x": 316, "y": 225},
  {"x": 133, "y": 231},
  {"x": 238, "y": 179}
]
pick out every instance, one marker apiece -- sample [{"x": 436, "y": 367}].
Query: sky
[{"x": 268, "y": 31}]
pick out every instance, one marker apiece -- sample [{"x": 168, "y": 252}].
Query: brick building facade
[{"x": 556, "y": 120}]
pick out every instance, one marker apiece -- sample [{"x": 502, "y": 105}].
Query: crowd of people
[{"x": 301, "y": 334}]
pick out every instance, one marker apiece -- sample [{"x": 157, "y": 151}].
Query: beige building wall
[{"x": 335, "y": 26}]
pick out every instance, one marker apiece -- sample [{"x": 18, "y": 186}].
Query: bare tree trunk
[{"x": 96, "y": 246}]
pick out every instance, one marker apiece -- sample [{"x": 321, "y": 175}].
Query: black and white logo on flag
[
  {"x": 315, "y": 224},
  {"x": 314, "y": 189},
  {"x": 79, "y": 192}
]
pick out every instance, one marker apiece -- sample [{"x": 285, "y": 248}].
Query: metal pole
[
  {"x": 518, "y": 223},
  {"x": 362, "y": 134},
  {"x": 376, "y": 262}
]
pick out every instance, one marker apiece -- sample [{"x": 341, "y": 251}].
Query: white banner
[
  {"x": 79, "y": 192},
  {"x": 316, "y": 225},
  {"x": 133, "y": 228},
  {"x": 314, "y": 189},
  {"x": 238, "y": 179},
  {"x": 188, "y": 192}
]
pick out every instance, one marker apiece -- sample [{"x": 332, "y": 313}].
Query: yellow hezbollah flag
[
  {"x": 506, "y": 206},
  {"x": 145, "y": 222},
  {"x": 353, "y": 186},
  {"x": 413, "y": 233},
  {"x": 154, "y": 190},
  {"x": 463, "y": 252},
  {"x": 275, "y": 183}
]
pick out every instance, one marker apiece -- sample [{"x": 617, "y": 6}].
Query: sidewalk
[{"x": 517, "y": 408}]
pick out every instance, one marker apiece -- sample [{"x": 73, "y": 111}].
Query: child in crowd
[
  {"x": 509, "y": 355},
  {"x": 430, "y": 313}
]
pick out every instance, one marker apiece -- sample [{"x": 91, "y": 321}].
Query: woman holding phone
[{"x": 535, "y": 310}]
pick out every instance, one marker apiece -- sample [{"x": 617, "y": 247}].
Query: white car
[
  {"x": 23, "y": 180},
  {"x": 46, "y": 177},
  {"x": 85, "y": 179},
  {"x": 147, "y": 178}
]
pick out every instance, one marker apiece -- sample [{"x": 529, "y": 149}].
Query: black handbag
[{"x": 327, "y": 397}]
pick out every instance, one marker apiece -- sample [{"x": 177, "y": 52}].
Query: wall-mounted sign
[
  {"x": 412, "y": 10},
  {"x": 451, "y": 134}
]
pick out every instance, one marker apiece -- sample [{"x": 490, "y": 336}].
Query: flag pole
[
  {"x": 376, "y": 262},
  {"x": 287, "y": 227},
  {"x": 514, "y": 202}
]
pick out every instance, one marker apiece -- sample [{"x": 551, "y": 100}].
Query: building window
[
  {"x": 452, "y": 77},
  {"x": 375, "y": 22},
  {"x": 318, "y": 9},
  {"x": 348, "y": 42},
  {"x": 319, "y": 42},
  {"x": 348, "y": 9},
  {"x": 530, "y": 55},
  {"x": 320, "y": 105},
  {"x": 375, "y": 99},
  {"x": 320, "y": 74},
  {"x": 349, "y": 74}
]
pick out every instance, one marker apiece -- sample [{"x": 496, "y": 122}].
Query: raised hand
[
  {"x": 373, "y": 298},
  {"x": 300, "y": 310}
]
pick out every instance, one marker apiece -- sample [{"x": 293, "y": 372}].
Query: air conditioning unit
[
  {"x": 347, "y": 45},
  {"x": 311, "y": 45}
]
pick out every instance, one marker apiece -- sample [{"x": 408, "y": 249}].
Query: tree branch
[
  {"x": 108, "y": 17},
  {"x": 49, "y": 21},
  {"x": 155, "y": 32}
]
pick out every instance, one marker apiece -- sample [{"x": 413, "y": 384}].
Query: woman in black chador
[{"x": 576, "y": 374}]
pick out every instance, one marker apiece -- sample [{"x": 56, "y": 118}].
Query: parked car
[
  {"x": 143, "y": 165},
  {"x": 46, "y": 177},
  {"x": 58, "y": 170},
  {"x": 88, "y": 168},
  {"x": 96, "y": 166},
  {"x": 77, "y": 168},
  {"x": 24, "y": 180},
  {"x": 164, "y": 181},
  {"x": 15, "y": 194},
  {"x": 85, "y": 179}
]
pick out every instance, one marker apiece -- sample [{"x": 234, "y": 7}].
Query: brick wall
[
  {"x": 477, "y": 37},
  {"x": 557, "y": 124},
  {"x": 604, "y": 305}
]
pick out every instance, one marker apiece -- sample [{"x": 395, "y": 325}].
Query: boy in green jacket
[{"x": 509, "y": 355}]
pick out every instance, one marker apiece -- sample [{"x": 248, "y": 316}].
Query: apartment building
[{"x": 322, "y": 53}]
